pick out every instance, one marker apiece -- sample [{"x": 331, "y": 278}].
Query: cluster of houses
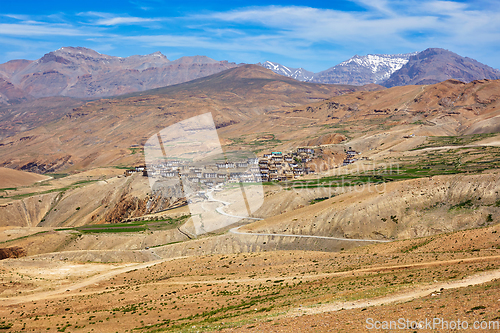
[
  {"x": 274, "y": 166},
  {"x": 277, "y": 166},
  {"x": 350, "y": 157}
]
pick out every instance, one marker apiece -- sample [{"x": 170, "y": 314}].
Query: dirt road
[
  {"x": 235, "y": 231},
  {"x": 422, "y": 291},
  {"x": 66, "y": 290}
]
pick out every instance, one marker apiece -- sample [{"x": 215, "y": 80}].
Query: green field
[
  {"x": 428, "y": 164},
  {"x": 163, "y": 224},
  {"x": 440, "y": 141}
]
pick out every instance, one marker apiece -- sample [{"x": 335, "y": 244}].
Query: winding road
[{"x": 236, "y": 232}]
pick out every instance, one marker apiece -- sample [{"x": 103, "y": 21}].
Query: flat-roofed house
[
  {"x": 305, "y": 150},
  {"x": 210, "y": 175},
  {"x": 241, "y": 164}
]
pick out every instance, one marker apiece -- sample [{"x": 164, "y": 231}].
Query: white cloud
[
  {"x": 124, "y": 20},
  {"x": 108, "y": 19},
  {"x": 303, "y": 33},
  {"x": 382, "y": 25},
  {"x": 32, "y": 29},
  {"x": 172, "y": 40}
]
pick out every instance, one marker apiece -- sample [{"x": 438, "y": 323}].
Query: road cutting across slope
[{"x": 235, "y": 230}]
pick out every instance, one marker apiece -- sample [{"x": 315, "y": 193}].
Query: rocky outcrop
[
  {"x": 127, "y": 206},
  {"x": 130, "y": 208},
  {"x": 12, "y": 252},
  {"x": 45, "y": 166}
]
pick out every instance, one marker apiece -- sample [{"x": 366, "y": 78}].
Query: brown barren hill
[
  {"x": 113, "y": 131},
  {"x": 9, "y": 94},
  {"x": 16, "y": 178},
  {"x": 435, "y": 65},
  {"x": 465, "y": 108},
  {"x": 81, "y": 72},
  {"x": 327, "y": 139}
]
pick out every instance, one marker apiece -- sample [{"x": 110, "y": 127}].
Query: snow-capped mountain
[
  {"x": 360, "y": 70},
  {"x": 429, "y": 66},
  {"x": 299, "y": 74}
]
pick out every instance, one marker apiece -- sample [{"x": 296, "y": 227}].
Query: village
[{"x": 271, "y": 167}]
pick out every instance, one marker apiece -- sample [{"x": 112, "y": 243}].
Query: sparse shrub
[
  {"x": 479, "y": 307},
  {"x": 489, "y": 218},
  {"x": 394, "y": 219},
  {"x": 5, "y": 326},
  {"x": 463, "y": 204}
]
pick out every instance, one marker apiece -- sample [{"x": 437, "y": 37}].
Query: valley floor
[{"x": 272, "y": 291}]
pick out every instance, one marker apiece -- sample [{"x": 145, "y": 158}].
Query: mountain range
[
  {"x": 80, "y": 72},
  {"x": 432, "y": 65},
  {"x": 83, "y": 73}
]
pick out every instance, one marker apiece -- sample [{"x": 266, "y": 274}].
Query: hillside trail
[
  {"x": 417, "y": 292},
  {"x": 236, "y": 232},
  {"x": 376, "y": 269},
  {"x": 405, "y": 104},
  {"x": 66, "y": 290},
  {"x": 434, "y": 290}
]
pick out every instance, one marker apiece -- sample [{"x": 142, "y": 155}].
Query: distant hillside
[
  {"x": 9, "y": 94},
  {"x": 81, "y": 72},
  {"x": 13, "y": 178},
  {"x": 437, "y": 65},
  {"x": 102, "y": 132}
]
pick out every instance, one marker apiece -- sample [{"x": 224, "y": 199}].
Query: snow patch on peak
[
  {"x": 158, "y": 54},
  {"x": 382, "y": 65},
  {"x": 295, "y": 73}
]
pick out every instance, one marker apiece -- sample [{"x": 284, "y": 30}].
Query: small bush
[
  {"x": 479, "y": 307},
  {"x": 5, "y": 326},
  {"x": 464, "y": 204}
]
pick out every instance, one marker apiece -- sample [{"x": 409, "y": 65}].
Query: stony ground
[{"x": 278, "y": 291}]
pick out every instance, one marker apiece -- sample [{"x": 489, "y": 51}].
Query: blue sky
[{"x": 315, "y": 36}]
